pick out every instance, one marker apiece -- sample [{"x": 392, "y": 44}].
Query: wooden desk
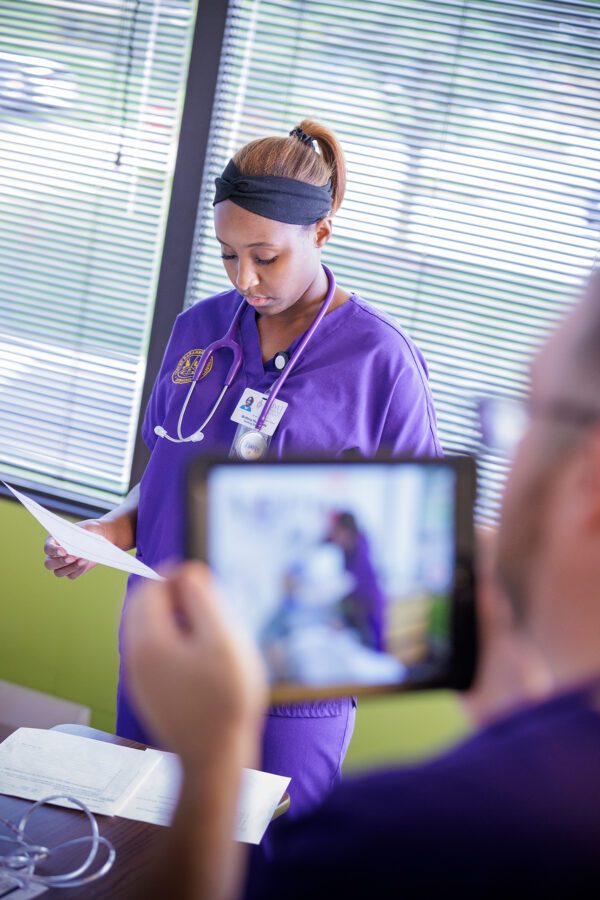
[{"x": 136, "y": 843}]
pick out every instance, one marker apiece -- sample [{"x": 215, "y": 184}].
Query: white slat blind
[
  {"x": 472, "y": 134},
  {"x": 90, "y": 96}
]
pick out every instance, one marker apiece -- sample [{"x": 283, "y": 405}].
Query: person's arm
[
  {"x": 200, "y": 685},
  {"x": 121, "y": 522},
  {"x": 199, "y": 859},
  {"x": 409, "y": 422},
  {"x": 118, "y": 526}
]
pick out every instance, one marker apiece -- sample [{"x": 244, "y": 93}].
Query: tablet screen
[{"x": 343, "y": 573}]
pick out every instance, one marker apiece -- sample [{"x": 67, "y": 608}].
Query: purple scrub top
[{"x": 360, "y": 385}]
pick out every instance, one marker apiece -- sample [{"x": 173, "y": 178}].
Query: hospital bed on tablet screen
[{"x": 352, "y": 576}]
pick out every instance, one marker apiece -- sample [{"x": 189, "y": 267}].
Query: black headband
[{"x": 273, "y": 197}]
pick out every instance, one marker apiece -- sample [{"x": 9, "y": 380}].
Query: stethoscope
[{"x": 283, "y": 362}]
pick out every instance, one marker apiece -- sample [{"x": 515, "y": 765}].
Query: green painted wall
[
  {"x": 56, "y": 635},
  {"x": 60, "y": 636}
]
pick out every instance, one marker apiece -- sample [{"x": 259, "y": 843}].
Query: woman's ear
[{"x": 323, "y": 230}]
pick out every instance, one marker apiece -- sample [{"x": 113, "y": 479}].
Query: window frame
[
  {"x": 194, "y": 131},
  {"x": 194, "y": 134}
]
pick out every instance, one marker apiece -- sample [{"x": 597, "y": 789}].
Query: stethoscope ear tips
[{"x": 281, "y": 360}]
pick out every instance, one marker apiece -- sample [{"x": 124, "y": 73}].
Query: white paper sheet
[
  {"x": 83, "y": 543},
  {"x": 7, "y": 888},
  {"x": 259, "y": 797},
  {"x": 113, "y": 780},
  {"x": 156, "y": 798},
  {"x": 35, "y": 763}
]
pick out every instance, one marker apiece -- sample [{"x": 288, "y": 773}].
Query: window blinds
[
  {"x": 472, "y": 135},
  {"x": 89, "y": 108}
]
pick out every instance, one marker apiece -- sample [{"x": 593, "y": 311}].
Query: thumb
[
  {"x": 91, "y": 525},
  {"x": 195, "y": 595}
]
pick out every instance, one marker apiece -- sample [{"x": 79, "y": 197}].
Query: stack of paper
[
  {"x": 35, "y": 763},
  {"x": 113, "y": 780},
  {"x": 156, "y": 798}
]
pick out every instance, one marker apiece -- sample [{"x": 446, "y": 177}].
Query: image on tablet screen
[{"x": 343, "y": 574}]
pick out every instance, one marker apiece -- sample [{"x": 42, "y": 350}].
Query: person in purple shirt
[
  {"x": 511, "y": 811},
  {"x": 365, "y": 605},
  {"x": 346, "y": 378}
]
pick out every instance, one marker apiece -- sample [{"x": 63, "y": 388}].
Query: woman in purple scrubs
[
  {"x": 360, "y": 385},
  {"x": 365, "y": 604}
]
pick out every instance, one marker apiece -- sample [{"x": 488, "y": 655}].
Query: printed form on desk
[
  {"x": 35, "y": 763},
  {"x": 136, "y": 784},
  {"x": 156, "y": 799}
]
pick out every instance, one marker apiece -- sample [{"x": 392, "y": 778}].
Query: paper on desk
[
  {"x": 259, "y": 796},
  {"x": 156, "y": 798},
  {"x": 7, "y": 889},
  {"x": 35, "y": 763},
  {"x": 83, "y": 543}
]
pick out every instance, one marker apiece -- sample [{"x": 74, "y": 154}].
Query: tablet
[{"x": 352, "y": 576}]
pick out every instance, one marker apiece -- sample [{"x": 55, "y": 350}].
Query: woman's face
[{"x": 272, "y": 264}]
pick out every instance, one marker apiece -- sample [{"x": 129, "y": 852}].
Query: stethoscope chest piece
[{"x": 251, "y": 445}]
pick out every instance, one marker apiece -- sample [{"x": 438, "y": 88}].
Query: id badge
[
  {"x": 248, "y": 410},
  {"x": 249, "y": 443}
]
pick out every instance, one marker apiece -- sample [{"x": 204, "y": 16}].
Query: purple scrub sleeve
[{"x": 360, "y": 386}]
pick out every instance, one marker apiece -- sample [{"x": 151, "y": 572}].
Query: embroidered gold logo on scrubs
[{"x": 187, "y": 365}]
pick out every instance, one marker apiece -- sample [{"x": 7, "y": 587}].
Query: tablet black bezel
[{"x": 460, "y": 671}]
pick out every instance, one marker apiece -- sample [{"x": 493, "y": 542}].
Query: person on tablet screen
[{"x": 364, "y": 605}]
